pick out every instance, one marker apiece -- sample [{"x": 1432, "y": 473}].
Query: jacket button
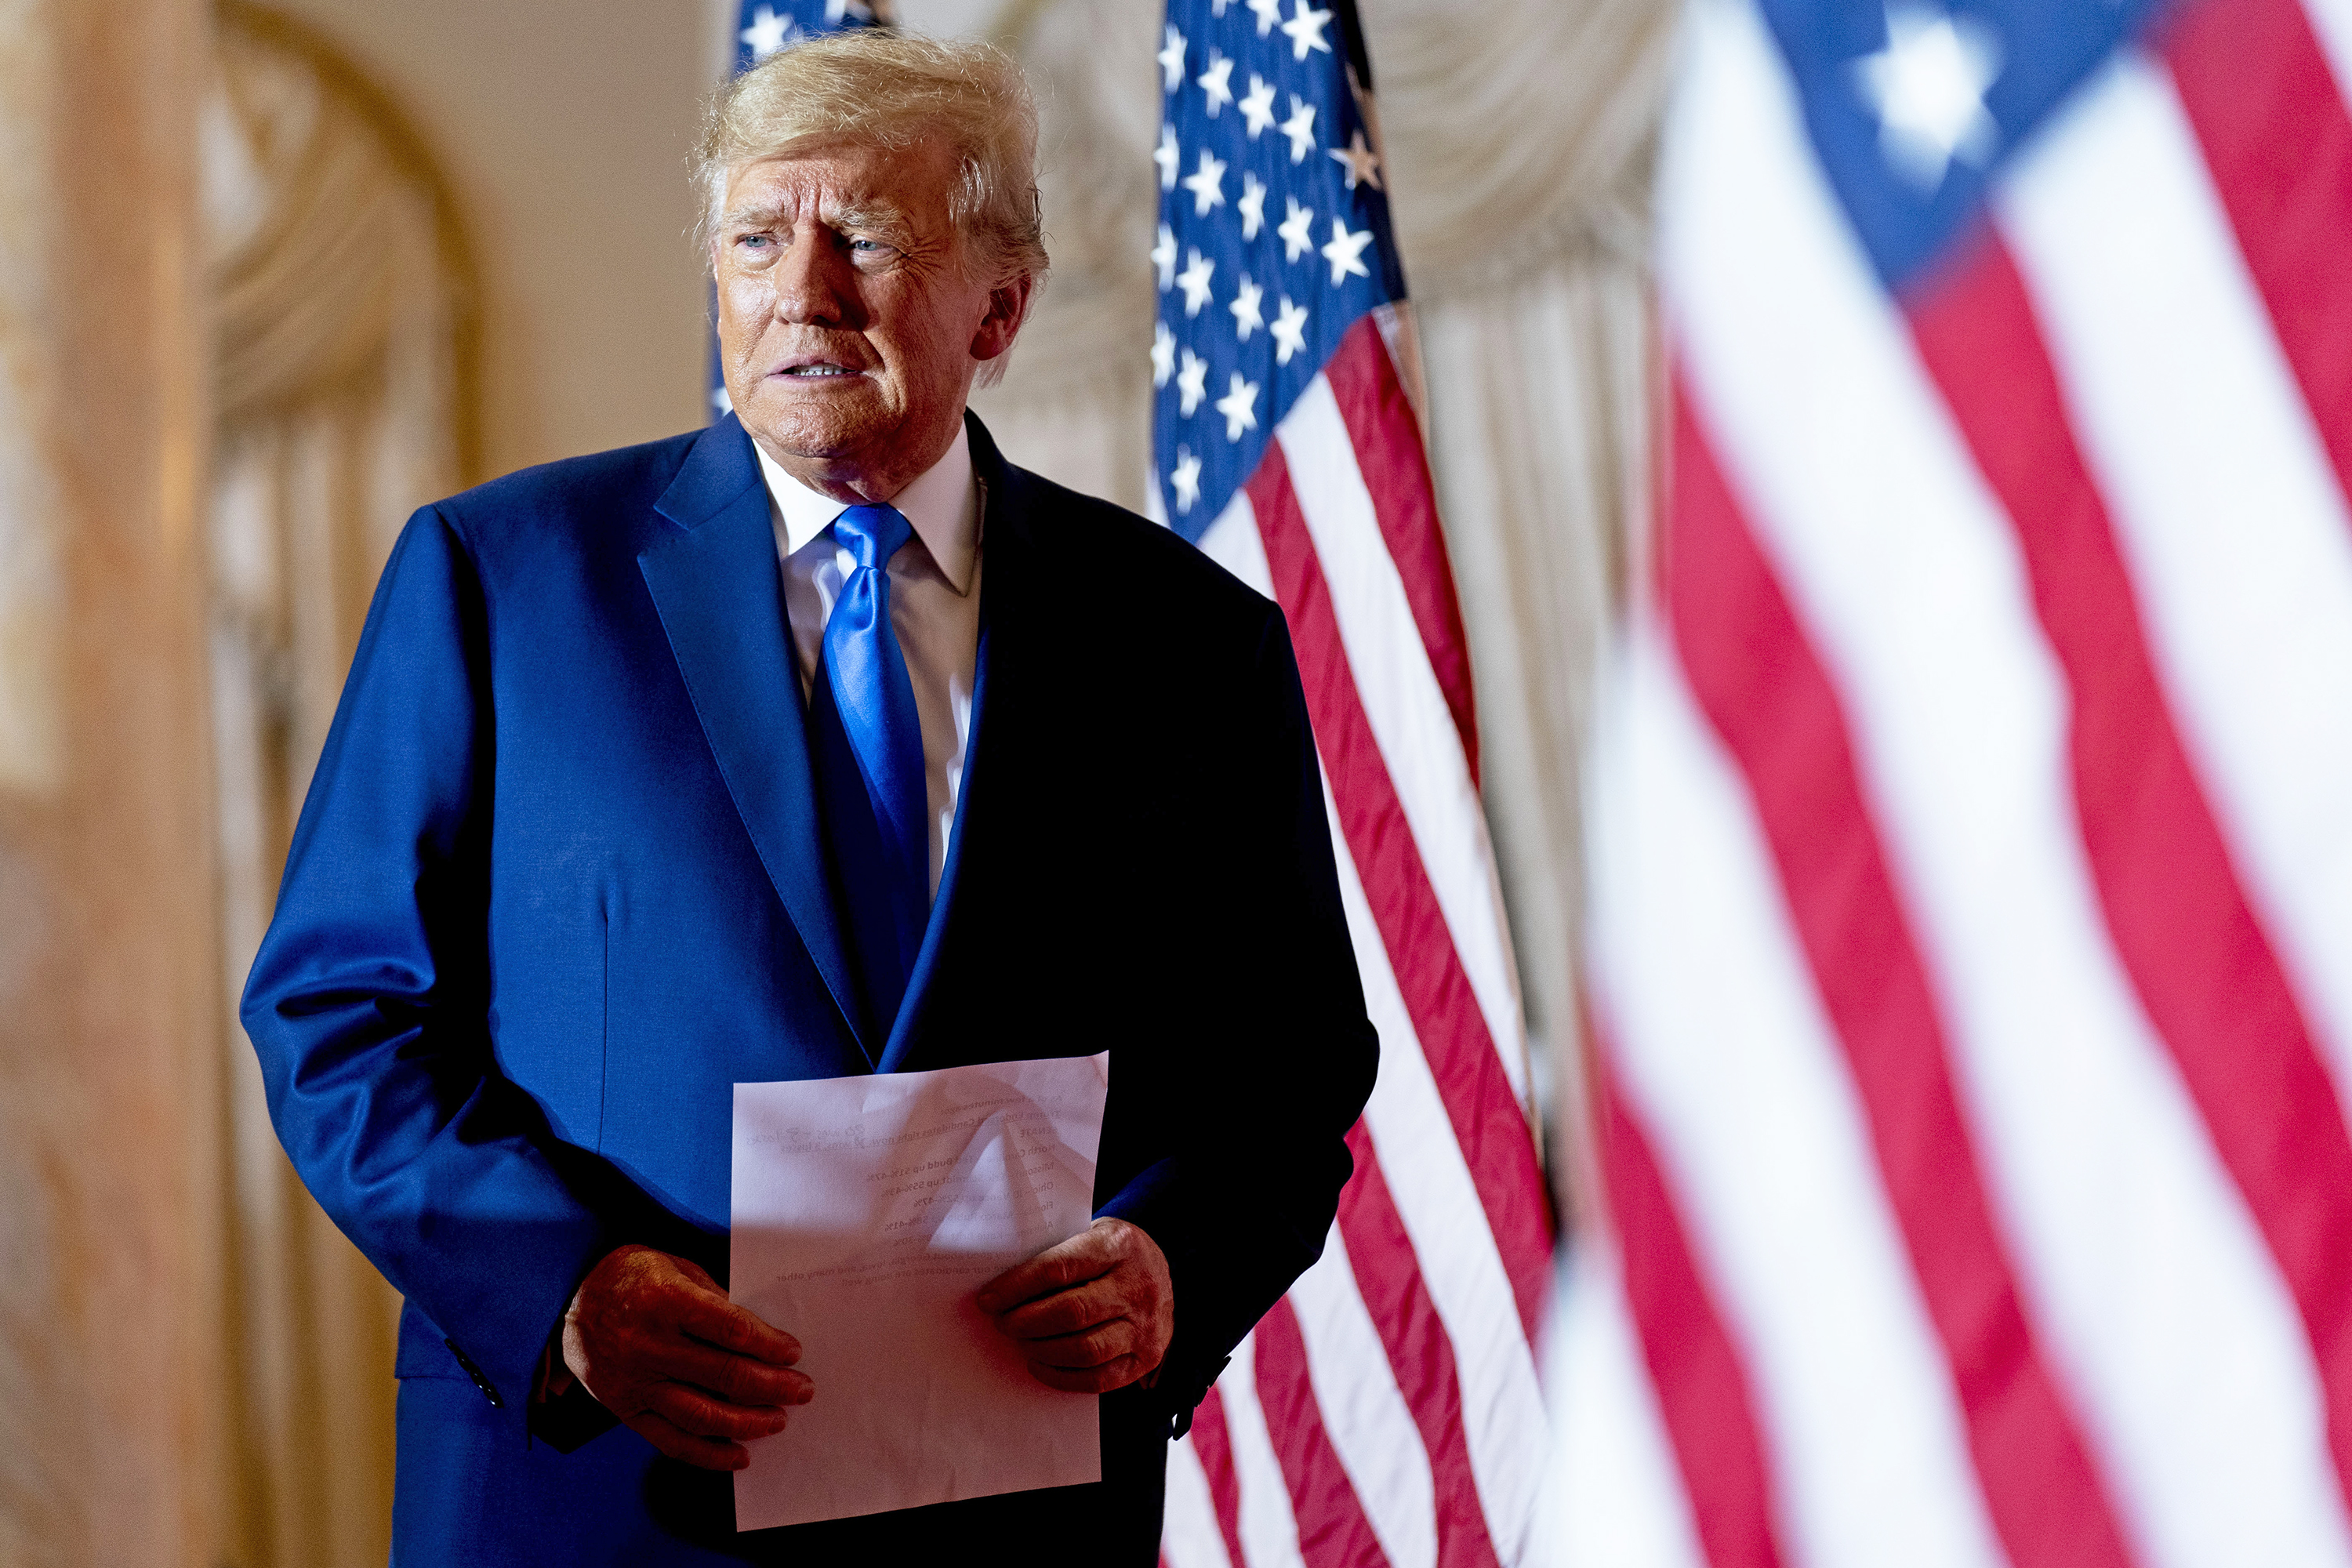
[{"x": 466, "y": 1361}]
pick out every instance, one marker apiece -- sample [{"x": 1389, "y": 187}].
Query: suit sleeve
[
  {"x": 368, "y": 1002},
  {"x": 1266, "y": 1104}
]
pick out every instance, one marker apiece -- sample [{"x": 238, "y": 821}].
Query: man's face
[{"x": 850, "y": 326}]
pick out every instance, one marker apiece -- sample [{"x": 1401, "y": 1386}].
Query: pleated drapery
[{"x": 341, "y": 319}]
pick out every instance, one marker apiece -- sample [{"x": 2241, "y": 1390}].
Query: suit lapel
[{"x": 717, "y": 585}]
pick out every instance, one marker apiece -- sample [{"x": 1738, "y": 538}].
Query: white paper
[{"x": 867, "y": 1213}]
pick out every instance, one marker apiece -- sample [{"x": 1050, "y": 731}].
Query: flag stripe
[
  {"x": 1760, "y": 683},
  {"x": 1420, "y": 1353},
  {"x": 2331, "y": 25},
  {"x": 1618, "y": 1494},
  {"x": 1386, "y": 436},
  {"x": 1212, "y": 1439},
  {"x": 1442, "y": 1207},
  {"x": 1702, "y": 1389},
  {"x": 2200, "y": 963},
  {"x": 1962, "y": 709},
  {"x": 1269, "y": 1531},
  {"x": 1751, "y": 1112},
  {"x": 1488, "y": 1125},
  {"x": 2231, "y": 520},
  {"x": 1417, "y": 746},
  {"x": 1959, "y": 708},
  {"x": 1332, "y": 1530},
  {"x": 2265, "y": 106},
  {"x": 1480, "y": 1466},
  {"x": 1194, "y": 1536},
  {"x": 1363, "y": 1409}
]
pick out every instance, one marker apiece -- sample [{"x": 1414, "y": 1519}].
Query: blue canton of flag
[
  {"x": 761, "y": 28},
  {"x": 1273, "y": 236},
  {"x": 1913, "y": 109}
]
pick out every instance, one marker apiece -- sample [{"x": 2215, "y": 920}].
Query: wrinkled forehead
[{"x": 836, "y": 180}]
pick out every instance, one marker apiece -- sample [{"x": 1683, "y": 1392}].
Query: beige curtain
[
  {"x": 1519, "y": 137},
  {"x": 339, "y": 310}
]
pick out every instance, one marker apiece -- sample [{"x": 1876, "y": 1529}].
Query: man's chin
[{"x": 787, "y": 427}]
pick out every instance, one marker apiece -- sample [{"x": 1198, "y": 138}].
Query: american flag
[
  {"x": 1970, "y": 937},
  {"x": 1387, "y": 1410},
  {"x": 761, "y": 28}
]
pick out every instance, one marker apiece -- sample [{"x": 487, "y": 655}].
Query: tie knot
[{"x": 873, "y": 533}]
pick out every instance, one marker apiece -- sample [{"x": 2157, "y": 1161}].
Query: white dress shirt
[{"x": 934, "y": 605}]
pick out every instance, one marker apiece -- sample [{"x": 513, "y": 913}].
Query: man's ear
[{"x": 1008, "y": 306}]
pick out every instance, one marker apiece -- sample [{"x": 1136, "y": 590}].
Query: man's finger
[
  {"x": 737, "y": 1379},
  {"x": 1068, "y": 1311},
  {"x": 1089, "y": 1255},
  {"x": 1075, "y": 1352},
  {"x": 718, "y": 1321},
  {"x": 706, "y": 1453},
  {"x": 1093, "y": 1380},
  {"x": 692, "y": 1411}
]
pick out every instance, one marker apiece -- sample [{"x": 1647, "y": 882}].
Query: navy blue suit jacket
[{"x": 559, "y": 884}]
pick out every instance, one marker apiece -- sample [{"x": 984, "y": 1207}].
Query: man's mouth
[{"x": 815, "y": 371}]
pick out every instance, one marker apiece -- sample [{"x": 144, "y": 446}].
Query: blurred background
[{"x": 272, "y": 276}]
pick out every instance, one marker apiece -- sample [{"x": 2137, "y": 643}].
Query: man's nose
[{"x": 812, "y": 288}]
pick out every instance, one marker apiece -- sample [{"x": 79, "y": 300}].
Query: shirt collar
[{"x": 943, "y": 502}]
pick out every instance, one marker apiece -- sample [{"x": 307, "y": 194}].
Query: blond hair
[{"x": 892, "y": 90}]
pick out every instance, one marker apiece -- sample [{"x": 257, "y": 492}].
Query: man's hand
[
  {"x": 1093, "y": 1314},
  {"x": 658, "y": 1344}
]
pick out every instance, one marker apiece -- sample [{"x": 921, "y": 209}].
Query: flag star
[
  {"x": 1290, "y": 329},
  {"x": 1207, "y": 184},
  {"x": 1363, "y": 163},
  {"x": 1239, "y": 405},
  {"x": 1345, "y": 253},
  {"x": 1305, "y": 30},
  {"x": 1300, "y": 128},
  {"x": 1257, "y": 105},
  {"x": 1252, "y": 205},
  {"x": 1216, "y": 82},
  {"x": 1296, "y": 239},
  {"x": 1163, "y": 353},
  {"x": 1217, "y": 8},
  {"x": 1191, "y": 383},
  {"x": 1168, "y": 157},
  {"x": 1928, "y": 89},
  {"x": 1186, "y": 477},
  {"x": 1269, "y": 13},
  {"x": 1194, "y": 281},
  {"x": 836, "y": 12},
  {"x": 1172, "y": 60},
  {"x": 1163, "y": 257},
  {"x": 767, "y": 33},
  {"x": 719, "y": 401},
  {"x": 1247, "y": 317}
]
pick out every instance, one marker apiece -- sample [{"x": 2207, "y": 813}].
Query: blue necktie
[{"x": 868, "y": 744}]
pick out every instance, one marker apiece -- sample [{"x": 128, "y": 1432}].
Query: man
[{"x": 823, "y": 742}]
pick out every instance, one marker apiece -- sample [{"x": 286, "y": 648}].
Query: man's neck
[{"x": 941, "y": 502}]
